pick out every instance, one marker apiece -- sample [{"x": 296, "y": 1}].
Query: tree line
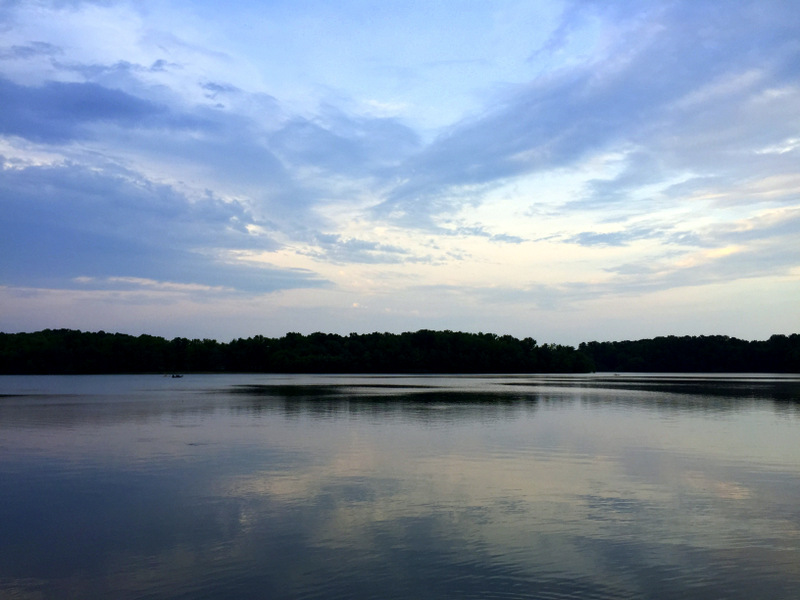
[
  {"x": 697, "y": 354},
  {"x": 65, "y": 351}
]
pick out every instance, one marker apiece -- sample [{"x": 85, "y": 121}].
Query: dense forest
[
  {"x": 697, "y": 354},
  {"x": 65, "y": 351}
]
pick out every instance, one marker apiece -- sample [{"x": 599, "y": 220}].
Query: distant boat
[{"x": 175, "y": 375}]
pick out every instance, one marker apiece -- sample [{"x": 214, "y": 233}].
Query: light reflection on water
[{"x": 399, "y": 487}]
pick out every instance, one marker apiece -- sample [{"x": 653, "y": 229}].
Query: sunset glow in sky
[{"x": 570, "y": 171}]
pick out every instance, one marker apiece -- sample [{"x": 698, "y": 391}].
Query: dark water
[{"x": 399, "y": 487}]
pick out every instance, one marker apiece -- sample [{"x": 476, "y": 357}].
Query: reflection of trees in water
[
  {"x": 714, "y": 395},
  {"x": 71, "y": 411},
  {"x": 420, "y": 405},
  {"x": 731, "y": 387},
  {"x": 416, "y": 398}
]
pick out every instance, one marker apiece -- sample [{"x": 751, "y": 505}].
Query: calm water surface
[{"x": 263, "y": 486}]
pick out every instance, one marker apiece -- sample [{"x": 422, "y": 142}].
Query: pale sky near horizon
[{"x": 570, "y": 171}]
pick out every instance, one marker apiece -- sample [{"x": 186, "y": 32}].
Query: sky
[{"x": 568, "y": 170}]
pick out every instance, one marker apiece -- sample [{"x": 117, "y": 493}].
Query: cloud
[
  {"x": 343, "y": 144},
  {"x": 215, "y": 89},
  {"x": 31, "y": 50},
  {"x": 58, "y": 112},
  {"x": 341, "y": 250},
  {"x": 653, "y": 83},
  {"x": 479, "y": 231},
  {"x": 64, "y": 222},
  {"x": 506, "y": 239},
  {"x": 121, "y": 75},
  {"x": 751, "y": 248},
  {"x": 140, "y": 283},
  {"x": 663, "y": 231},
  {"x": 613, "y": 238}
]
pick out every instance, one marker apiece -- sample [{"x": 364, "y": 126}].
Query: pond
[{"x": 276, "y": 486}]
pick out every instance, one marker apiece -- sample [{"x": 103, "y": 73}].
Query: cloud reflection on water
[{"x": 555, "y": 489}]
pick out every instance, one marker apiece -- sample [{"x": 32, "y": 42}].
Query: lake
[{"x": 301, "y": 487}]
